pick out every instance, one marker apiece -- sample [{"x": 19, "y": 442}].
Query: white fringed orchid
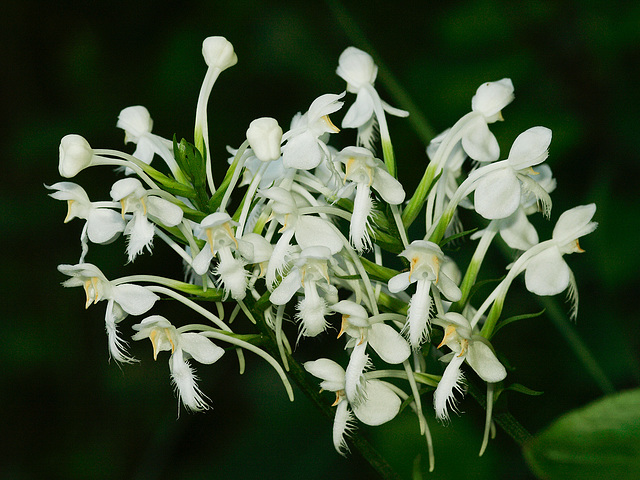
[
  {"x": 142, "y": 204},
  {"x": 377, "y": 403},
  {"x": 385, "y": 341},
  {"x": 304, "y": 149},
  {"x": 358, "y": 69},
  {"x": 466, "y": 346},
  {"x": 102, "y": 226},
  {"x": 426, "y": 259},
  {"x": 310, "y": 271},
  {"x": 217, "y": 229},
  {"x": 164, "y": 336},
  {"x": 364, "y": 172},
  {"x": 308, "y": 230},
  {"x": 122, "y": 300},
  {"x": 490, "y": 98},
  {"x": 546, "y": 273},
  {"x": 498, "y": 191}
]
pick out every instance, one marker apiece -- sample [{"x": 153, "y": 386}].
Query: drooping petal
[
  {"x": 400, "y": 282},
  {"x": 287, "y": 288},
  {"x": 448, "y": 287},
  {"x": 380, "y": 405},
  {"x": 134, "y": 299},
  {"x": 360, "y": 112},
  {"x": 388, "y": 343},
  {"x": 202, "y": 261},
  {"x": 479, "y": 143},
  {"x": 388, "y": 187},
  {"x": 517, "y": 231},
  {"x": 497, "y": 194},
  {"x": 104, "y": 225},
  {"x": 484, "y": 362},
  {"x": 200, "y": 348},
  {"x": 547, "y": 273}
]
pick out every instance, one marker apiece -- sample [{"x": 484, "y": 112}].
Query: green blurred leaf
[{"x": 601, "y": 440}]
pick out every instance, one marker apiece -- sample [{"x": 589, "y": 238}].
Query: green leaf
[
  {"x": 601, "y": 440},
  {"x": 193, "y": 165},
  {"x": 515, "y": 318},
  {"x": 456, "y": 236}
]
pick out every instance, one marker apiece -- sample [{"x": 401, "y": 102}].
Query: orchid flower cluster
[{"x": 298, "y": 231}]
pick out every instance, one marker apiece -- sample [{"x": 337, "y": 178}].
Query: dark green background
[{"x": 70, "y": 68}]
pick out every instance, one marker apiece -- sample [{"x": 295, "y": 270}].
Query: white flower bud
[
  {"x": 357, "y": 68},
  {"x": 265, "y": 135},
  {"x": 135, "y": 121},
  {"x": 218, "y": 52},
  {"x": 491, "y": 98},
  {"x": 75, "y": 155}
]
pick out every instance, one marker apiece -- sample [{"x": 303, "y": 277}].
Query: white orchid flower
[
  {"x": 490, "y": 98},
  {"x": 546, "y": 273},
  {"x": 217, "y": 229},
  {"x": 466, "y": 346},
  {"x": 303, "y": 148},
  {"x": 426, "y": 259},
  {"x": 102, "y": 226},
  {"x": 137, "y": 124},
  {"x": 122, "y": 300},
  {"x": 377, "y": 403},
  {"x": 366, "y": 172},
  {"x": 359, "y": 70},
  {"x": 385, "y": 341},
  {"x": 142, "y": 204},
  {"x": 308, "y": 230},
  {"x": 498, "y": 191},
  {"x": 164, "y": 336},
  {"x": 310, "y": 271}
]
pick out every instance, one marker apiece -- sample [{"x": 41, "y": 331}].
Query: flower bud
[
  {"x": 75, "y": 155},
  {"x": 357, "y": 68},
  {"x": 218, "y": 52},
  {"x": 491, "y": 98},
  {"x": 264, "y": 135},
  {"x": 135, "y": 121}
]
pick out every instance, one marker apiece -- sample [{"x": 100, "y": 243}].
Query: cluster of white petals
[{"x": 299, "y": 229}]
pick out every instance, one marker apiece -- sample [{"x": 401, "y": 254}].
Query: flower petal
[
  {"x": 484, "y": 362},
  {"x": 479, "y": 143},
  {"x": 379, "y": 406},
  {"x": 134, "y": 299},
  {"x": 497, "y": 194},
  {"x": 200, "y": 348},
  {"x": 388, "y": 343},
  {"x": 547, "y": 273}
]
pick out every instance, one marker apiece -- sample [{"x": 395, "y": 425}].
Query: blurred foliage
[{"x": 71, "y": 68}]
